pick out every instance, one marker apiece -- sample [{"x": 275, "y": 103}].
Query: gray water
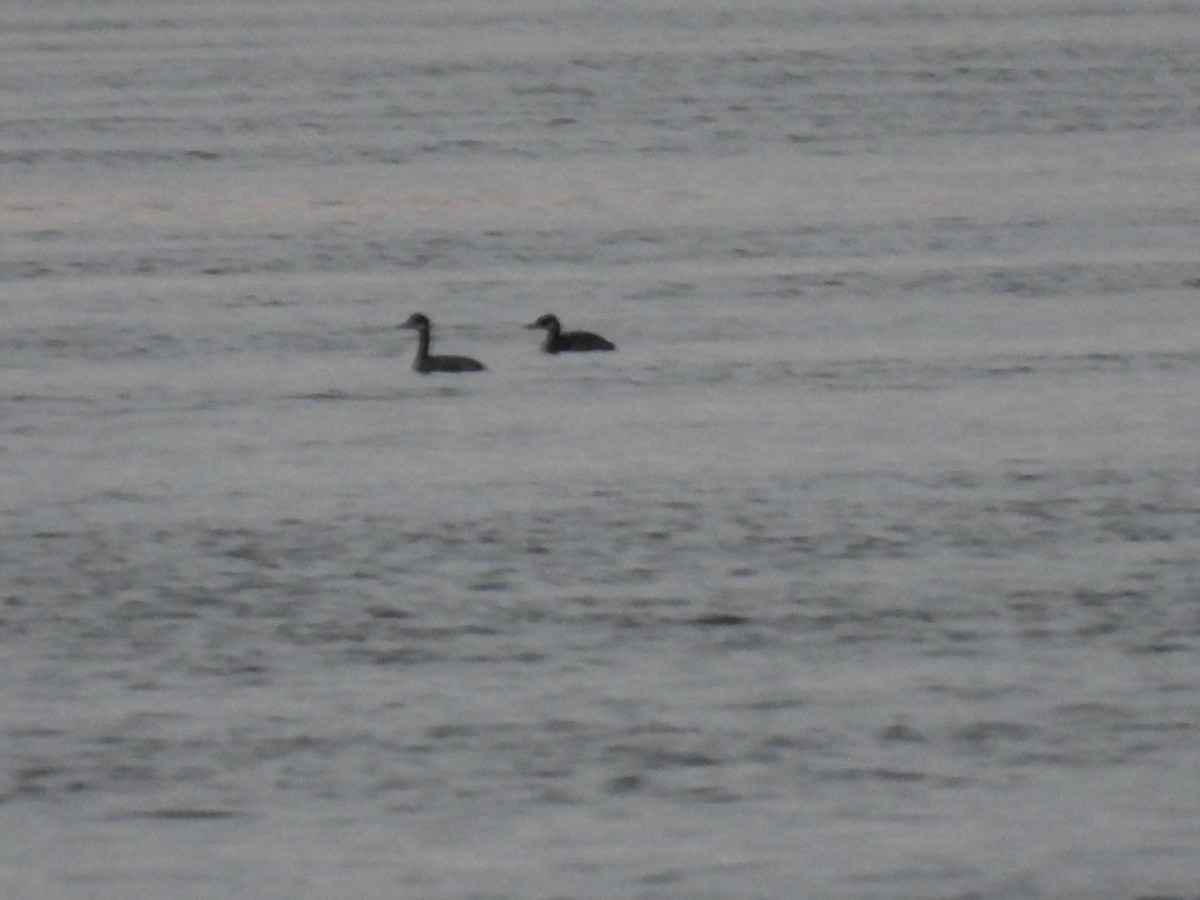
[{"x": 865, "y": 568}]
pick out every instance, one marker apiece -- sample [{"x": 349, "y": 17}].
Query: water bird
[
  {"x": 559, "y": 341},
  {"x": 426, "y": 363}
]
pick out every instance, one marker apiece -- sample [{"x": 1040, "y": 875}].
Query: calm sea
[{"x": 865, "y": 568}]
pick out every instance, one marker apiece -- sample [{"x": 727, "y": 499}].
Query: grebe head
[
  {"x": 419, "y": 321},
  {"x": 549, "y": 321}
]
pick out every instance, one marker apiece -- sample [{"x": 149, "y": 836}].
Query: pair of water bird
[{"x": 557, "y": 341}]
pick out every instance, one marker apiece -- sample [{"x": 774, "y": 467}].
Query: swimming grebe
[
  {"x": 424, "y": 363},
  {"x": 559, "y": 341}
]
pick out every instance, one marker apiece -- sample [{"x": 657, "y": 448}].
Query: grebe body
[
  {"x": 559, "y": 341},
  {"x": 426, "y": 362}
]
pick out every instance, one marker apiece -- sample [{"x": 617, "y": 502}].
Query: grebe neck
[{"x": 422, "y": 342}]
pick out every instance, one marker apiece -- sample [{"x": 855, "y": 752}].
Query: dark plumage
[
  {"x": 424, "y": 363},
  {"x": 559, "y": 341}
]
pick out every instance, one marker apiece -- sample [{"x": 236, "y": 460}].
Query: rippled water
[{"x": 865, "y": 568}]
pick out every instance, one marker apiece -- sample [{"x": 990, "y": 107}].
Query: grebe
[
  {"x": 424, "y": 363},
  {"x": 559, "y": 341}
]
